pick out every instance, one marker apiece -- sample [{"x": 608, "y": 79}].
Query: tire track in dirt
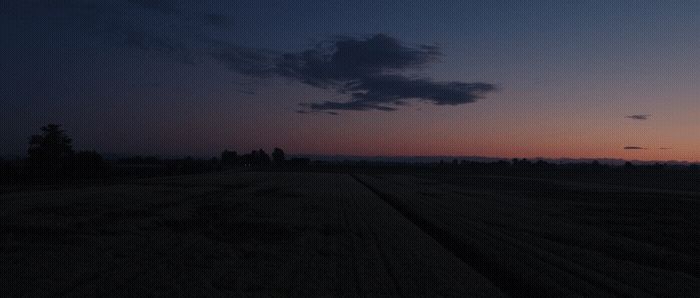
[
  {"x": 449, "y": 242},
  {"x": 421, "y": 266},
  {"x": 508, "y": 283},
  {"x": 390, "y": 270}
]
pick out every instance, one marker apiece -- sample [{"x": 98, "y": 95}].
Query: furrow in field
[
  {"x": 649, "y": 278},
  {"x": 510, "y": 214},
  {"x": 419, "y": 265},
  {"x": 512, "y": 273},
  {"x": 557, "y": 275},
  {"x": 535, "y": 230}
]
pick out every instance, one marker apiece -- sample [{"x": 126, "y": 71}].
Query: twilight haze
[{"x": 580, "y": 79}]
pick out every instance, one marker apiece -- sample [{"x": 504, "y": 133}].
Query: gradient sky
[{"x": 140, "y": 77}]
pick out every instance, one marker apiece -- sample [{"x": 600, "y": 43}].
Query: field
[{"x": 350, "y": 234}]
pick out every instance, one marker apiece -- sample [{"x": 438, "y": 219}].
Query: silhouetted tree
[
  {"x": 255, "y": 158},
  {"x": 229, "y": 158},
  {"x": 522, "y": 163},
  {"x": 278, "y": 156},
  {"x": 247, "y": 159},
  {"x": 263, "y": 158},
  {"x": 541, "y": 164},
  {"x": 51, "y": 152}
]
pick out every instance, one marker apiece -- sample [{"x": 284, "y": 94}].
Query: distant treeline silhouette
[
  {"x": 258, "y": 158},
  {"x": 51, "y": 159}
]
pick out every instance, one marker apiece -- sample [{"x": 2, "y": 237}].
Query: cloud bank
[
  {"x": 374, "y": 73},
  {"x": 371, "y": 72}
]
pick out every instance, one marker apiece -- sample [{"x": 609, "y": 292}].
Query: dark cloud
[
  {"x": 316, "y": 112},
  {"x": 330, "y": 64},
  {"x": 377, "y": 93},
  {"x": 635, "y": 148},
  {"x": 357, "y": 105},
  {"x": 639, "y": 117},
  {"x": 370, "y": 71},
  {"x": 393, "y": 89},
  {"x": 349, "y": 59}
]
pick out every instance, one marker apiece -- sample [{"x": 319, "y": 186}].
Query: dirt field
[{"x": 314, "y": 234}]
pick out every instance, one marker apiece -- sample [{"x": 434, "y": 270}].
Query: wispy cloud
[
  {"x": 171, "y": 27},
  {"x": 378, "y": 72},
  {"x": 639, "y": 117},
  {"x": 316, "y": 112},
  {"x": 635, "y": 148}
]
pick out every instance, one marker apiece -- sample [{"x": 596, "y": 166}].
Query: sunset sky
[{"x": 579, "y": 79}]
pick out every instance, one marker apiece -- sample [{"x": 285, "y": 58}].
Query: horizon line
[{"x": 359, "y": 157}]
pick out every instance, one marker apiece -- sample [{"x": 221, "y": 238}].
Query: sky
[{"x": 577, "y": 79}]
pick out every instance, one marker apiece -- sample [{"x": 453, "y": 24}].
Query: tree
[
  {"x": 229, "y": 158},
  {"x": 278, "y": 156},
  {"x": 255, "y": 158},
  {"x": 51, "y": 152},
  {"x": 263, "y": 158}
]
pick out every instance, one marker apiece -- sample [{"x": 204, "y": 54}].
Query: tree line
[{"x": 51, "y": 158}]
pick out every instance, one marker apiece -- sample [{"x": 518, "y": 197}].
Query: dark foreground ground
[{"x": 330, "y": 234}]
